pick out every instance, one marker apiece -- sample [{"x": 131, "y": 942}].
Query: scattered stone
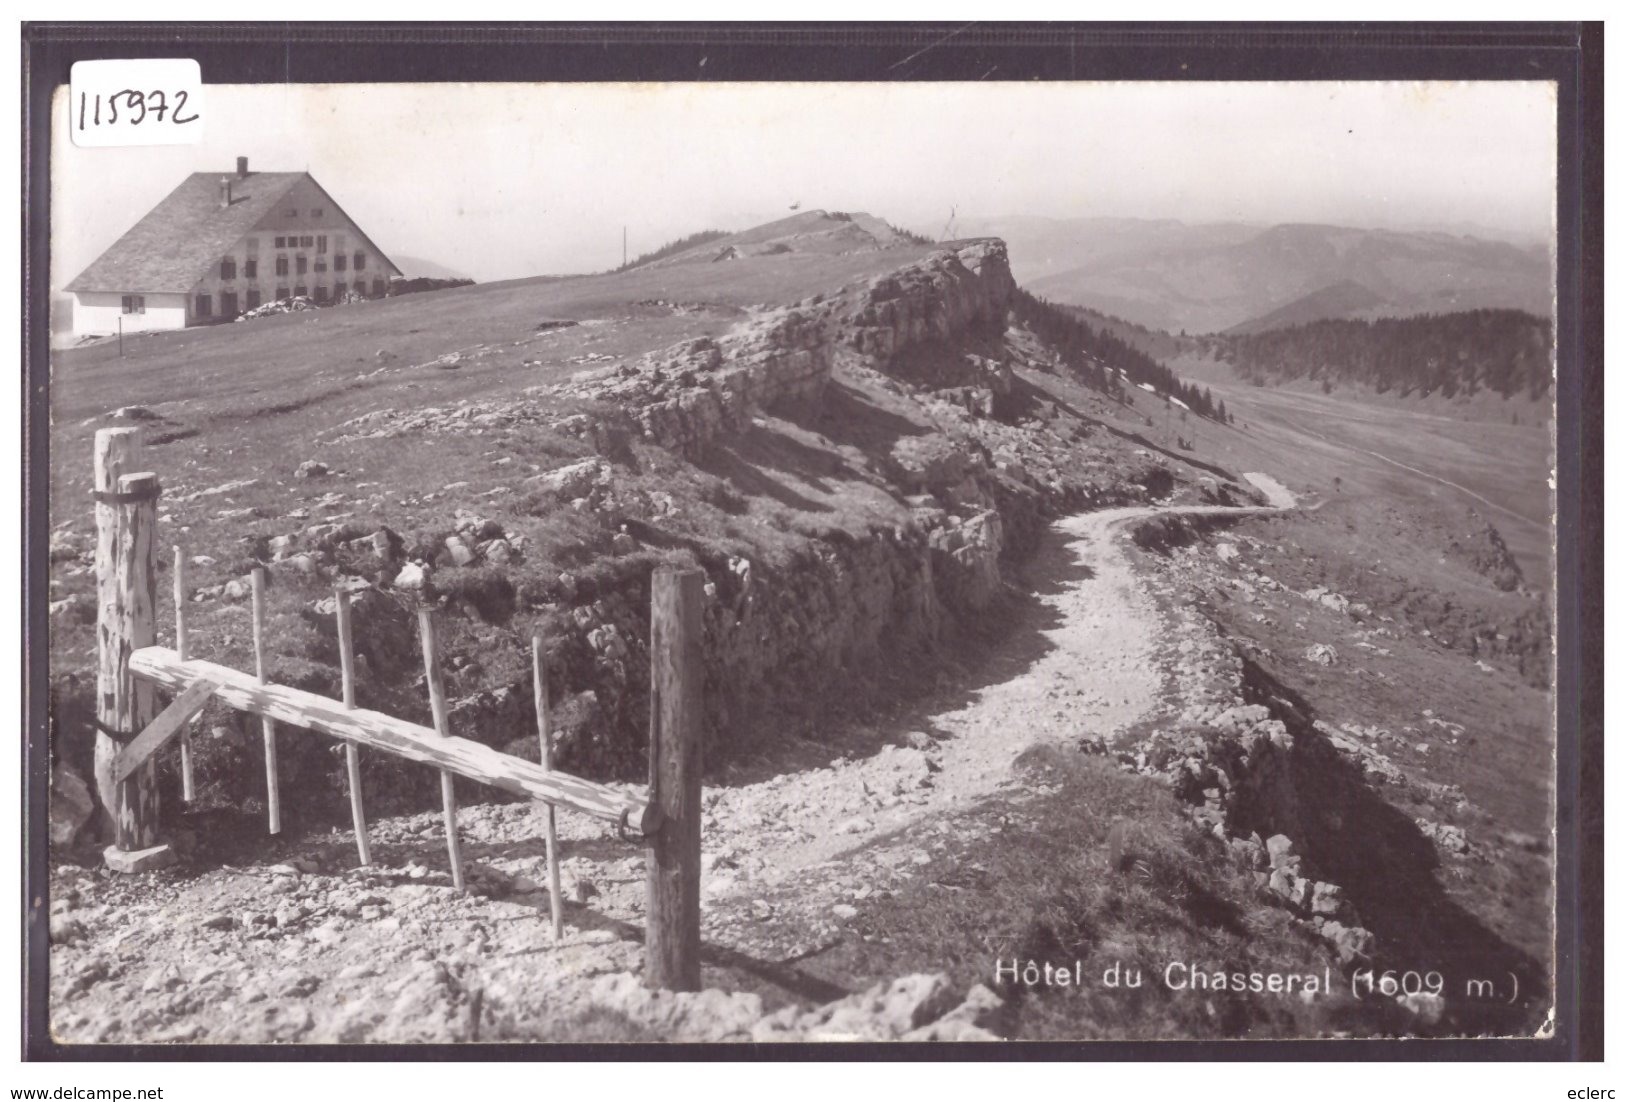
[
  {"x": 1351, "y": 943},
  {"x": 1322, "y": 654},
  {"x": 498, "y": 552},
  {"x": 141, "y": 860},
  {"x": 571, "y": 481},
  {"x": 884, "y": 1012},
  {"x": 1280, "y": 849},
  {"x": 298, "y": 985},
  {"x": 459, "y": 551},
  {"x": 1450, "y": 838},
  {"x": 1427, "y": 1006},
  {"x": 412, "y": 576},
  {"x": 66, "y": 930},
  {"x": 1327, "y": 900},
  {"x": 844, "y": 911},
  {"x": 71, "y": 804},
  {"x": 218, "y": 922},
  {"x": 311, "y": 468}
]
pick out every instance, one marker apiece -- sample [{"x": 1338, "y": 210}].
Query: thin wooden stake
[
  {"x": 187, "y": 792},
  {"x": 676, "y": 727},
  {"x": 352, "y": 752},
  {"x": 442, "y": 725},
  {"x": 539, "y": 678},
  {"x": 273, "y": 787}
]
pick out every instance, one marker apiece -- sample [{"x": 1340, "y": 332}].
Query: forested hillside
[
  {"x": 1506, "y": 352},
  {"x": 1097, "y": 354}
]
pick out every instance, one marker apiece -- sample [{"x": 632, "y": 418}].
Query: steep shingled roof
[{"x": 176, "y": 243}]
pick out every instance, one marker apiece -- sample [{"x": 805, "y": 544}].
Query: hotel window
[
  {"x": 228, "y": 268},
  {"x": 315, "y": 212},
  {"x": 340, "y": 289},
  {"x": 281, "y": 265},
  {"x": 135, "y": 304},
  {"x": 377, "y": 288},
  {"x": 360, "y": 261},
  {"x": 321, "y": 242},
  {"x": 282, "y": 242},
  {"x": 282, "y": 292},
  {"x": 204, "y": 306},
  {"x": 253, "y": 297},
  {"x": 306, "y": 241},
  {"x": 298, "y": 290},
  {"x": 338, "y": 262},
  {"x": 321, "y": 294},
  {"x": 251, "y": 269},
  {"x": 299, "y": 264}
]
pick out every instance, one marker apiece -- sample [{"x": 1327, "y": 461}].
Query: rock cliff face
[
  {"x": 774, "y": 637},
  {"x": 686, "y": 396}
]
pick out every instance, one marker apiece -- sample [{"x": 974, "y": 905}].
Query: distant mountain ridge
[
  {"x": 1208, "y": 278},
  {"x": 1344, "y": 299}
]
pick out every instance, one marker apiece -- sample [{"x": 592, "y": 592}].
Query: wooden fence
[{"x": 131, "y": 730}]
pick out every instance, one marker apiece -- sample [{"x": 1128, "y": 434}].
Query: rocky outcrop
[
  {"x": 966, "y": 290},
  {"x": 686, "y": 396}
]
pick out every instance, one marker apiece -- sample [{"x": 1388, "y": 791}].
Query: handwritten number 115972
[{"x": 137, "y": 106}]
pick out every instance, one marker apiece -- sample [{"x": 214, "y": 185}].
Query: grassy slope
[{"x": 1473, "y": 444}]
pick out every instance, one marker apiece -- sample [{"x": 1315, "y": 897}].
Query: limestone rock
[
  {"x": 71, "y": 804},
  {"x": 1322, "y": 654},
  {"x": 1280, "y": 848}
]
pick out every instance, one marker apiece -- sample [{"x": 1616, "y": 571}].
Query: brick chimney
[
  {"x": 242, "y": 168},
  {"x": 225, "y": 192}
]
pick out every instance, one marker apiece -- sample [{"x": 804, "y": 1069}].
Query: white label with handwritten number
[{"x": 141, "y": 101}]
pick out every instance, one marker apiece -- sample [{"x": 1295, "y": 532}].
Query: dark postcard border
[{"x": 1568, "y": 53}]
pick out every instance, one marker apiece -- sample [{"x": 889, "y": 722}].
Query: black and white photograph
[{"x": 766, "y": 562}]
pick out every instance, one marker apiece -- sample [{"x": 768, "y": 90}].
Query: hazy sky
[{"x": 511, "y": 180}]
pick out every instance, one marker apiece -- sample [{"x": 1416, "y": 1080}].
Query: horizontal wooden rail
[{"x": 297, "y": 708}]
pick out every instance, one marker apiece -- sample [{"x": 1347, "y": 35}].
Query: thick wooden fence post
[
  {"x": 127, "y": 595},
  {"x": 676, "y": 722}
]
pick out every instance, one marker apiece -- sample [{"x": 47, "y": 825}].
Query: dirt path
[
  {"x": 301, "y": 945},
  {"x": 1083, "y": 667}
]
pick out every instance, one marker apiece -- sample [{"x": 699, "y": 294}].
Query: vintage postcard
[{"x": 746, "y": 562}]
